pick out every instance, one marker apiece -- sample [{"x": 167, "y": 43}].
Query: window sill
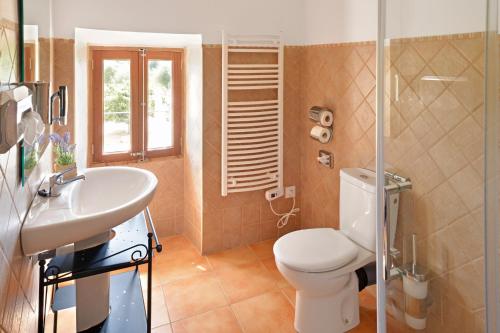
[{"x": 147, "y": 160}]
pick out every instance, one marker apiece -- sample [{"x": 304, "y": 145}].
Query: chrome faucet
[{"x": 58, "y": 179}]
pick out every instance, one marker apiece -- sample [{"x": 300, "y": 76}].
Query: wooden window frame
[{"x": 139, "y": 95}]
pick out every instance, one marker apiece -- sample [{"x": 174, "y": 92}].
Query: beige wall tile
[
  {"x": 18, "y": 274},
  {"x": 448, "y": 157},
  {"x": 444, "y": 208},
  {"x": 339, "y": 77},
  {"x": 243, "y": 213}
]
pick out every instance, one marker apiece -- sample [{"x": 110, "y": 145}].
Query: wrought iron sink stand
[{"x": 131, "y": 247}]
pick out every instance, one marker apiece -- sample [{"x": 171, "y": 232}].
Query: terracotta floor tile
[
  {"x": 178, "y": 254},
  {"x": 271, "y": 267},
  {"x": 144, "y": 276},
  {"x": 290, "y": 293},
  {"x": 180, "y": 267},
  {"x": 268, "y": 313},
  {"x": 66, "y": 321},
  {"x": 159, "y": 308},
  {"x": 367, "y": 300},
  {"x": 196, "y": 296},
  {"x": 160, "y": 315},
  {"x": 162, "y": 329},
  {"x": 367, "y": 313},
  {"x": 245, "y": 281},
  {"x": 192, "y": 296},
  {"x": 264, "y": 249},
  {"x": 157, "y": 295},
  {"x": 234, "y": 257},
  {"x": 365, "y": 326},
  {"x": 221, "y": 320}
]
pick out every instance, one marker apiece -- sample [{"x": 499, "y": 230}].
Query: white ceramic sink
[{"x": 86, "y": 208}]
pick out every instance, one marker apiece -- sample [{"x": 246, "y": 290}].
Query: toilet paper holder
[{"x": 321, "y": 115}]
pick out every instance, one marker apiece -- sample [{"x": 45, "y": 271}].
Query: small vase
[{"x": 60, "y": 168}]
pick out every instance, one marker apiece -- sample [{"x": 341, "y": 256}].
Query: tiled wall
[
  {"x": 243, "y": 218},
  {"x": 342, "y": 78},
  {"x": 45, "y": 53},
  {"x": 435, "y": 136},
  {"x": 193, "y": 164},
  {"x": 337, "y": 76},
  {"x": 18, "y": 278},
  {"x": 167, "y": 207},
  {"x": 192, "y": 210},
  {"x": 18, "y": 274},
  {"x": 63, "y": 51}
]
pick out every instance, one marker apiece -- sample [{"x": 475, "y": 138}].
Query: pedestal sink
[{"x": 84, "y": 215}]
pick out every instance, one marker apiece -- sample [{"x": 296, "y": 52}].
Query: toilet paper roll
[
  {"x": 321, "y": 134},
  {"x": 326, "y": 118},
  {"x": 321, "y": 115}
]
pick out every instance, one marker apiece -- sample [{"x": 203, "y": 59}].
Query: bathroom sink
[{"x": 107, "y": 197}]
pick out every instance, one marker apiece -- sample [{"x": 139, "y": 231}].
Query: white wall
[
  {"x": 206, "y": 17},
  {"x": 410, "y": 18},
  {"x": 302, "y": 21},
  {"x": 335, "y": 21},
  {"x": 39, "y": 13},
  {"x": 338, "y": 21}
]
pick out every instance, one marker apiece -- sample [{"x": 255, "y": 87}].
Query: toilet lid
[{"x": 315, "y": 250}]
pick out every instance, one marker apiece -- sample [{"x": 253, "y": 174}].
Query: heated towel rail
[{"x": 252, "y": 112}]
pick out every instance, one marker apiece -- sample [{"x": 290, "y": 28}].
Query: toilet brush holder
[{"x": 416, "y": 289}]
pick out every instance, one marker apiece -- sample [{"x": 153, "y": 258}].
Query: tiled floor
[{"x": 239, "y": 290}]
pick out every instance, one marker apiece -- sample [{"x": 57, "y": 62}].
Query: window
[{"x": 136, "y": 103}]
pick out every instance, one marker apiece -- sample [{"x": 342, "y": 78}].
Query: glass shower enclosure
[{"x": 437, "y": 126}]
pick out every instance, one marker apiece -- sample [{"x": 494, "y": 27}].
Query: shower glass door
[
  {"x": 492, "y": 169},
  {"x": 431, "y": 129}
]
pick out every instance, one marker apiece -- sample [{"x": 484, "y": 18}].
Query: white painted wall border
[{"x": 208, "y": 18}]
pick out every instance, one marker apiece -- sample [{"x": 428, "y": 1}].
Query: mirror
[
  {"x": 37, "y": 66},
  {"x": 37, "y": 40},
  {"x": 9, "y": 44}
]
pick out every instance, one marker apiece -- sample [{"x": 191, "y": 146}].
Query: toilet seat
[{"x": 315, "y": 250}]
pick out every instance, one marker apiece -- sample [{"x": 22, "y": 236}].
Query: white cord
[{"x": 284, "y": 217}]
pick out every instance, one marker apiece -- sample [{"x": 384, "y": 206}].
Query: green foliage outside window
[{"x": 117, "y": 88}]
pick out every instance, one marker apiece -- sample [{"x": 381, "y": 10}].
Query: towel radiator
[{"x": 252, "y": 112}]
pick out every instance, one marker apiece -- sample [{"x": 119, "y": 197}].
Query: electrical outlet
[
  {"x": 290, "y": 192},
  {"x": 274, "y": 193}
]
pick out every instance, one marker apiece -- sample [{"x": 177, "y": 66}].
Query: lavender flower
[
  {"x": 65, "y": 152},
  {"x": 55, "y": 138}
]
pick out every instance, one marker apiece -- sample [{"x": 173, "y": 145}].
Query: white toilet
[{"x": 321, "y": 263}]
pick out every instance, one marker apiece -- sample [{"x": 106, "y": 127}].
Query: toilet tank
[{"x": 357, "y": 206}]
